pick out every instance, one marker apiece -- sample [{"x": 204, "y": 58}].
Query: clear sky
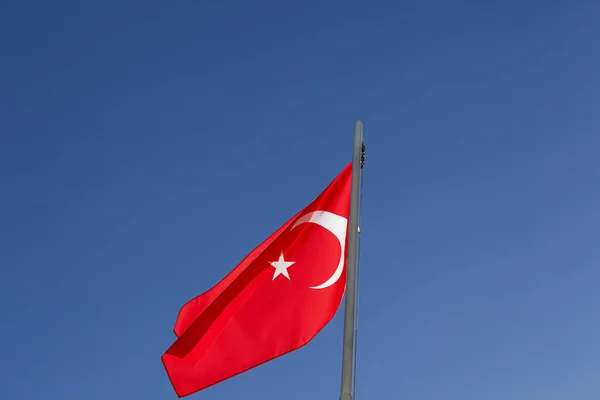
[{"x": 146, "y": 147}]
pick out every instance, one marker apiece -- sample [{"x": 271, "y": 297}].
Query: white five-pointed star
[{"x": 281, "y": 267}]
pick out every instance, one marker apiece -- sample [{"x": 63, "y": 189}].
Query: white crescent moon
[{"x": 336, "y": 225}]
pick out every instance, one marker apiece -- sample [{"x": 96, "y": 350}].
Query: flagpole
[{"x": 351, "y": 283}]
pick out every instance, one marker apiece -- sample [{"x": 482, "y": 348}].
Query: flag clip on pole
[{"x": 348, "y": 347}]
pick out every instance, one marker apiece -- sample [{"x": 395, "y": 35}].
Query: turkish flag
[{"x": 276, "y": 300}]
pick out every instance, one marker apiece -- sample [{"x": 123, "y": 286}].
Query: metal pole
[{"x": 350, "y": 307}]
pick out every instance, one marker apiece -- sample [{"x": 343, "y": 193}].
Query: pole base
[{"x": 346, "y": 396}]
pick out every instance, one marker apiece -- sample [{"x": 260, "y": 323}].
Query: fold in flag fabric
[{"x": 276, "y": 300}]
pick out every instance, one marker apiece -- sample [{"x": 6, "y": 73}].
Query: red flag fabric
[{"x": 276, "y": 300}]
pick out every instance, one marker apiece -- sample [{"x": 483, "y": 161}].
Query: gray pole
[{"x": 350, "y": 307}]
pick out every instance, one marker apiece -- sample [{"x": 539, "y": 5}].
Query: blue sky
[{"x": 146, "y": 147}]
